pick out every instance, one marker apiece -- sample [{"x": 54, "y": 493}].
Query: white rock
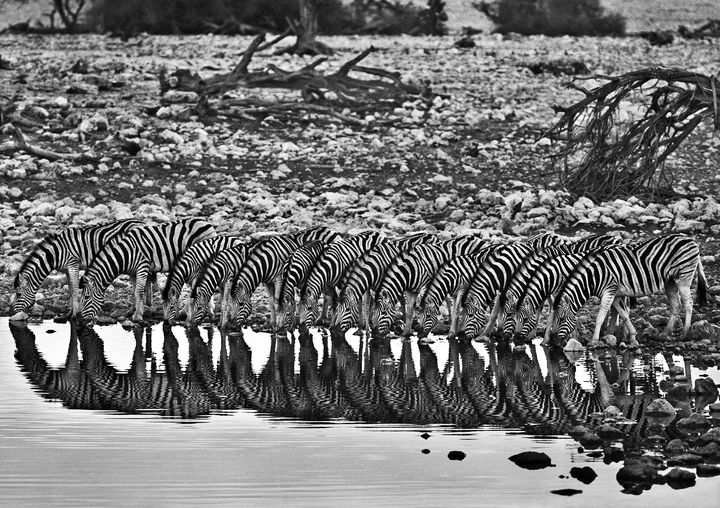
[
  {"x": 169, "y": 136},
  {"x": 43, "y": 209}
]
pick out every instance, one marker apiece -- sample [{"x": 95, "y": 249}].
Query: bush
[
  {"x": 202, "y": 16},
  {"x": 553, "y": 17}
]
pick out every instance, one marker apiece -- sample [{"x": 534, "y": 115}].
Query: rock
[
  {"x": 703, "y": 330},
  {"x": 707, "y": 470},
  {"x": 694, "y": 421},
  {"x": 685, "y": 459},
  {"x": 105, "y": 320},
  {"x": 613, "y": 454},
  {"x": 456, "y": 455},
  {"x": 610, "y": 340},
  {"x": 43, "y": 209},
  {"x": 591, "y": 441},
  {"x": 577, "y": 431},
  {"x": 566, "y": 492},
  {"x": 711, "y": 436},
  {"x": 424, "y": 451},
  {"x": 177, "y": 96},
  {"x": 169, "y": 136},
  {"x": 585, "y": 474},
  {"x": 531, "y": 460},
  {"x": 610, "y": 433},
  {"x": 714, "y": 408},
  {"x": 573, "y": 345},
  {"x": 612, "y": 411},
  {"x": 709, "y": 450},
  {"x": 19, "y": 316},
  {"x": 660, "y": 407},
  {"x": 706, "y": 386},
  {"x": 680, "y": 479},
  {"x": 638, "y": 473},
  {"x": 676, "y": 447},
  {"x": 425, "y": 435}
]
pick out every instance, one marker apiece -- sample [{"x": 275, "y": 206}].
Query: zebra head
[
  {"x": 343, "y": 317},
  {"x": 91, "y": 299},
  {"x": 240, "y": 306},
  {"x": 285, "y": 317},
  {"x": 307, "y": 312},
  {"x": 564, "y": 320},
  {"x": 427, "y": 319},
  {"x": 510, "y": 324},
  {"x": 382, "y": 315},
  {"x": 526, "y": 320},
  {"x": 24, "y": 295},
  {"x": 476, "y": 320},
  {"x": 170, "y": 306},
  {"x": 196, "y": 309}
]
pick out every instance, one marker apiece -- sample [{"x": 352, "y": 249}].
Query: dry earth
[{"x": 474, "y": 160}]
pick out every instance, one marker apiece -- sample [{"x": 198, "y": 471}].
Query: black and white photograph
[{"x": 360, "y": 253}]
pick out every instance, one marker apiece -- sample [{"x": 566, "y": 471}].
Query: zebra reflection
[{"x": 320, "y": 378}]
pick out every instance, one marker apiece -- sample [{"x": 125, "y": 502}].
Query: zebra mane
[{"x": 30, "y": 259}]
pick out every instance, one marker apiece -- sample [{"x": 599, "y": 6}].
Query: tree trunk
[
  {"x": 60, "y": 9},
  {"x": 307, "y": 31}
]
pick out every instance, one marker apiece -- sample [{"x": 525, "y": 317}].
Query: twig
[{"x": 21, "y": 144}]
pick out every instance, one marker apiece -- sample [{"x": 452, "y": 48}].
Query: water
[{"x": 167, "y": 417}]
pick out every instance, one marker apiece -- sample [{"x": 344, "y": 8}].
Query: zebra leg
[
  {"x": 606, "y": 302},
  {"x": 672, "y": 292},
  {"x": 493, "y": 316},
  {"x": 140, "y": 280},
  {"x": 73, "y": 277},
  {"x": 687, "y": 303},
  {"x": 454, "y": 314},
  {"x": 625, "y": 316},
  {"x": 149, "y": 292},
  {"x": 409, "y": 313},
  {"x": 270, "y": 288}
]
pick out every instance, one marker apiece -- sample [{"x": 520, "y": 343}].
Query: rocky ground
[{"x": 474, "y": 160}]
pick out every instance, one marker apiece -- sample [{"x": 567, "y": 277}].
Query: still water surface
[{"x": 169, "y": 417}]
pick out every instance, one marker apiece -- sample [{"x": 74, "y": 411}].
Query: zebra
[
  {"x": 519, "y": 281},
  {"x": 666, "y": 264},
  {"x": 72, "y": 250},
  {"x": 409, "y": 275},
  {"x": 360, "y": 280},
  {"x": 264, "y": 265},
  {"x": 489, "y": 281},
  {"x": 217, "y": 272},
  {"x": 295, "y": 275},
  {"x": 545, "y": 282},
  {"x": 188, "y": 268},
  {"x": 451, "y": 279},
  {"x": 329, "y": 269},
  {"x": 142, "y": 252}
]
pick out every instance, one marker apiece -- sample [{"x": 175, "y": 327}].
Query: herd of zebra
[{"x": 362, "y": 278}]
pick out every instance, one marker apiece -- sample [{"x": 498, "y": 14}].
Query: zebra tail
[{"x": 702, "y": 286}]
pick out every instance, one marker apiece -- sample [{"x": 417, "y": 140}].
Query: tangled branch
[
  {"x": 314, "y": 86},
  {"x": 602, "y": 155}
]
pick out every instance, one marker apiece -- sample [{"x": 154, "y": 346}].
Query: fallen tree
[
  {"x": 340, "y": 89},
  {"x": 600, "y": 155}
]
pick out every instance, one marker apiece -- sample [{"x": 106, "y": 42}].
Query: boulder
[
  {"x": 531, "y": 460},
  {"x": 706, "y": 386},
  {"x": 707, "y": 470},
  {"x": 637, "y": 473},
  {"x": 660, "y": 407},
  {"x": 680, "y": 478},
  {"x": 676, "y": 447},
  {"x": 694, "y": 421},
  {"x": 585, "y": 474}
]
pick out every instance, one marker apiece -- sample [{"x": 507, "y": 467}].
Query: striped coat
[
  {"x": 72, "y": 250},
  {"x": 665, "y": 264},
  {"x": 411, "y": 273},
  {"x": 188, "y": 269},
  {"x": 143, "y": 252}
]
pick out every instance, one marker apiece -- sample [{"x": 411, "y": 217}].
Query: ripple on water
[{"x": 167, "y": 416}]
